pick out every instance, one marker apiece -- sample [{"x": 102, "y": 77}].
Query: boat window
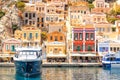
[
  {"x": 31, "y": 53},
  {"x": 24, "y": 53},
  {"x": 34, "y": 53},
  {"x": 112, "y": 59}
]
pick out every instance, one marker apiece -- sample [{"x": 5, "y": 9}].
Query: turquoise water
[{"x": 76, "y": 73}]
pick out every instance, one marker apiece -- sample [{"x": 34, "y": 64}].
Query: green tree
[
  {"x": 14, "y": 27},
  {"x": 90, "y": 1},
  {"x": 44, "y": 36},
  {"x": 91, "y": 6},
  {"x": 2, "y": 14},
  {"x": 20, "y": 5}
]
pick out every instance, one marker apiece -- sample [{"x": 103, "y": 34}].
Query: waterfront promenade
[{"x": 6, "y": 64}]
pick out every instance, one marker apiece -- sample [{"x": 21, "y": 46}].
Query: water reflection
[
  {"x": 80, "y": 73},
  {"x": 19, "y": 77}
]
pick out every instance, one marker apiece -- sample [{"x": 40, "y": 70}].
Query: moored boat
[
  {"x": 28, "y": 61},
  {"x": 111, "y": 60}
]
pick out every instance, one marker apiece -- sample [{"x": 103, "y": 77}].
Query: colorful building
[
  {"x": 30, "y": 36},
  {"x": 9, "y": 45},
  {"x": 84, "y": 44},
  {"x": 106, "y": 45},
  {"x": 56, "y": 47}
]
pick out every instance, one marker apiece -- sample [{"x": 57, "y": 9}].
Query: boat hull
[
  {"x": 110, "y": 65},
  {"x": 27, "y": 69}
]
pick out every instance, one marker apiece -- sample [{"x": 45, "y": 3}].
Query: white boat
[
  {"x": 111, "y": 60},
  {"x": 28, "y": 61}
]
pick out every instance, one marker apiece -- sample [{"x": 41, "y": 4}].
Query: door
[{"x": 13, "y": 48}]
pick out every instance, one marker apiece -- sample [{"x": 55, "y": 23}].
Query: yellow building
[
  {"x": 55, "y": 47},
  {"x": 30, "y": 36}
]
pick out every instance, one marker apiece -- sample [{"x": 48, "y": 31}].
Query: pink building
[{"x": 9, "y": 45}]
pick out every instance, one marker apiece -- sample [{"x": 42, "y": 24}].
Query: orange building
[{"x": 55, "y": 47}]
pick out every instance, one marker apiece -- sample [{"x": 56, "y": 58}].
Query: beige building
[
  {"x": 30, "y": 36},
  {"x": 79, "y": 13},
  {"x": 40, "y": 9},
  {"x": 98, "y": 18},
  {"x": 55, "y": 16}
]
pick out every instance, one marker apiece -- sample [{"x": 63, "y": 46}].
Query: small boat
[
  {"x": 28, "y": 61},
  {"x": 111, "y": 60}
]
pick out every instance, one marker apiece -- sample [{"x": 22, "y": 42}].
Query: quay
[
  {"x": 59, "y": 65},
  {"x": 72, "y": 65}
]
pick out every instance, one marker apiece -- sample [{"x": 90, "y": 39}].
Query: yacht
[
  {"x": 111, "y": 60},
  {"x": 28, "y": 61}
]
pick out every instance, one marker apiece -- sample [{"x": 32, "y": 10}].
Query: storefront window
[
  {"x": 75, "y": 36},
  {"x": 87, "y": 36},
  {"x": 89, "y": 48},
  {"x": 80, "y": 36},
  {"x": 92, "y": 36},
  {"x": 78, "y": 48}
]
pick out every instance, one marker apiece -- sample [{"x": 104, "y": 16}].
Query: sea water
[{"x": 64, "y": 73}]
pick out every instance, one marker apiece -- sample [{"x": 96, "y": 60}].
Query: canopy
[
  {"x": 83, "y": 55},
  {"x": 56, "y": 55}
]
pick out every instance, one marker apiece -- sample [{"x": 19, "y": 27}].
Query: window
[
  {"x": 36, "y": 35},
  {"x": 33, "y": 22},
  {"x": 55, "y": 50},
  {"x": 117, "y": 48},
  {"x": 114, "y": 48},
  {"x": 56, "y": 19},
  {"x": 80, "y": 36},
  {"x": 42, "y": 25},
  {"x": 42, "y": 19},
  {"x": 108, "y": 29},
  {"x": 59, "y": 30},
  {"x": 24, "y": 35},
  {"x": 7, "y": 47},
  {"x": 39, "y": 9},
  {"x": 56, "y": 38},
  {"x": 81, "y": 11},
  {"x": 111, "y": 49},
  {"x": 84, "y": 12},
  {"x": 26, "y": 21},
  {"x": 98, "y": 19},
  {"x": 33, "y": 14},
  {"x": 87, "y": 36},
  {"x": 26, "y": 14},
  {"x": 47, "y": 19},
  {"x": 75, "y": 36},
  {"x": 61, "y": 38},
  {"x": 30, "y": 16},
  {"x": 36, "y": 8},
  {"x": 43, "y": 8},
  {"x": 30, "y": 22},
  {"x": 71, "y": 16},
  {"x": 94, "y": 19},
  {"x": 30, "y": 36},
  {"x": 50, "y": 37},
  {"x": 38, "y": 20},
  {"x": 92, "y": 36}
]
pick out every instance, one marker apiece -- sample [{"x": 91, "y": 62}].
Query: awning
[
  {"x": 56, "y": 55},
  {"x": 88, "y": 55}
]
